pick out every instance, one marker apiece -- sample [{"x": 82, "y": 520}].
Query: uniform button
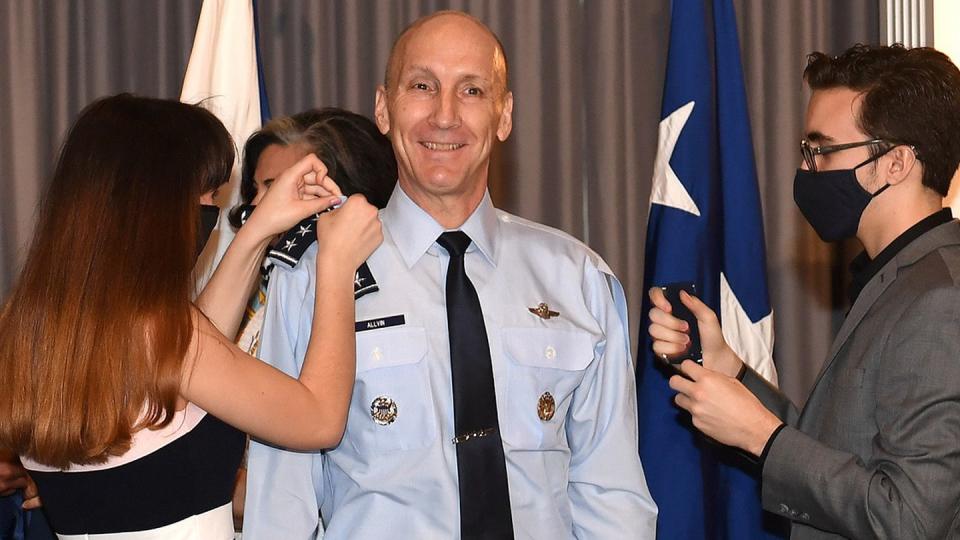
[
  {"x": 805, "y": 516},
  {"x": 784, "y": 509},
  {"x": 376, "y": 354},
  {"x": 794, "y": 513},
  {"x": 550, "y": 353}
]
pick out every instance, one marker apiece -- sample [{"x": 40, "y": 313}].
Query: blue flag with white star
[{"x": 705, "y": 226}]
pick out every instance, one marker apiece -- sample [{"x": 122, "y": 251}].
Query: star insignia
[
  {"x": 304, "y": 230},
  {"x": 290, "y": 244}
]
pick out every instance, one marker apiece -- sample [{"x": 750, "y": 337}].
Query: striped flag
[{"x": 705, "y": 226}]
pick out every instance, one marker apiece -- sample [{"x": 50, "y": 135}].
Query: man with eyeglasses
[{"x": 875, "y": 452}]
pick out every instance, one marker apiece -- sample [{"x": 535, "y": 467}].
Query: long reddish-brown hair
[{"x": 94, "y": 333}]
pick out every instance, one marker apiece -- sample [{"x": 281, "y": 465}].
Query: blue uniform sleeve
[
  {"x": 284, "y": 487},
  {"x": 607, "y": 488}
]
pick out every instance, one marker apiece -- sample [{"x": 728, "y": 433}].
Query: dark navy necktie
[{"x": 482, "y": 470}]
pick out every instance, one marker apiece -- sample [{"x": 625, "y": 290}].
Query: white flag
[{"x": 222, "y": 74}]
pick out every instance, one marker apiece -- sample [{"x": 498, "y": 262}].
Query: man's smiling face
[{"x": 445, "y": 103}]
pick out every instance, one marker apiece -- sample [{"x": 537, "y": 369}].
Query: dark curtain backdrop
[{"x": 587, "y": 77}]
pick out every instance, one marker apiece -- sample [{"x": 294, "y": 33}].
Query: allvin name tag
[{"x": 383, "y": 322}]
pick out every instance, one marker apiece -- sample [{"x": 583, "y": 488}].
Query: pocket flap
[
  {"x": 390, "y": 347},
  {"x": 570, "y": 350}
]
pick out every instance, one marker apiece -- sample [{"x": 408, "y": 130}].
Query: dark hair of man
[
  {"x": 358, "y": 157},
  {"x": 94, "y": 332},
  {"x": 910, "y": 96}
]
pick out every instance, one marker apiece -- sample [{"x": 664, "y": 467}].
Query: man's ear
[
  {"x": 505, "y": 125},
  {"x": 381, "y": 112},
  {"x": 900, "y": 162}
]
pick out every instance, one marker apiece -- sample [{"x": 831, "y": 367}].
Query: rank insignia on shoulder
[
  {"x": 543, "y": 311},
  {"x": 383, "y": 410},
  {"x": 294, "y": 243},
  {"x": 363, "y": 282}
]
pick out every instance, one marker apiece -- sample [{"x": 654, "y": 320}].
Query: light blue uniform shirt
[{"x": 574, "y": 475}]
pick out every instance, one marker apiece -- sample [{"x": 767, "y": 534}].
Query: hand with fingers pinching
[
  {"x": 300, "y": 191},
  {"x": 349, "y": 233},
  {"x": 720, "y": 406}
]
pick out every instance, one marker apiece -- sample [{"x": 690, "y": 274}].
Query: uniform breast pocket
[
  {"x": 392, "y": 403},
  {"x": 545, "y": 368}
]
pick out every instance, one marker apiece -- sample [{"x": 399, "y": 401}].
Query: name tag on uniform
[{"x": 376, "y": 324}]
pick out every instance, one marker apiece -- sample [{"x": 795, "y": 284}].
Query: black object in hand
[{"x": 680, "y": 311}]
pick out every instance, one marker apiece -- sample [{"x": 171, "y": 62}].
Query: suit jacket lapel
[
  {"x": 868, "y": 296},
  {"x": 946, "y": 234}
]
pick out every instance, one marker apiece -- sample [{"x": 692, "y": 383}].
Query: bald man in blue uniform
[{"x": 550, "y": 352}]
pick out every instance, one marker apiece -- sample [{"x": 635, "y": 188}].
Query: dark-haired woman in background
[
  {"x": 358, "y": 158},
  {"x": 124, "y": 395}
]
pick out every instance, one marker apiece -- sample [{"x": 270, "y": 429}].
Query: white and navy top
[{"x": 175, "y": 482}]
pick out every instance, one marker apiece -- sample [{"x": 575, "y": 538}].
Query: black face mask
[
  {"x": 833, "y": 201},
  {"x": 209, "y": 215}
]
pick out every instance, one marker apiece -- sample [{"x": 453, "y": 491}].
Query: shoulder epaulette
[{"x": 294, "y": 243}]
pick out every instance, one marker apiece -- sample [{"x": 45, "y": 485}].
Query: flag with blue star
[{"x": 705, "y": 226}]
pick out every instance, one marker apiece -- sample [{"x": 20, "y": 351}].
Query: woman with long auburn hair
[{"x": 124, "y": 399}]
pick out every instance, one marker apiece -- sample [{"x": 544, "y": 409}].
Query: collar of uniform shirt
[{"x": 415, "y": 232}]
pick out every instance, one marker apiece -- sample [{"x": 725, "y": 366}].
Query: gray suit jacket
[{"x": 875, "y": 453}]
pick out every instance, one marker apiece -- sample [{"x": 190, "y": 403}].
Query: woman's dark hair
[
  {"x": 359, "y": 158},
  {"x": 910, "y": 96},
  {"x": 94, "y": 333}
]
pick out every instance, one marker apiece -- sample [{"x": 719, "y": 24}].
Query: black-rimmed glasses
[{"x": 810, "y": 152}]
